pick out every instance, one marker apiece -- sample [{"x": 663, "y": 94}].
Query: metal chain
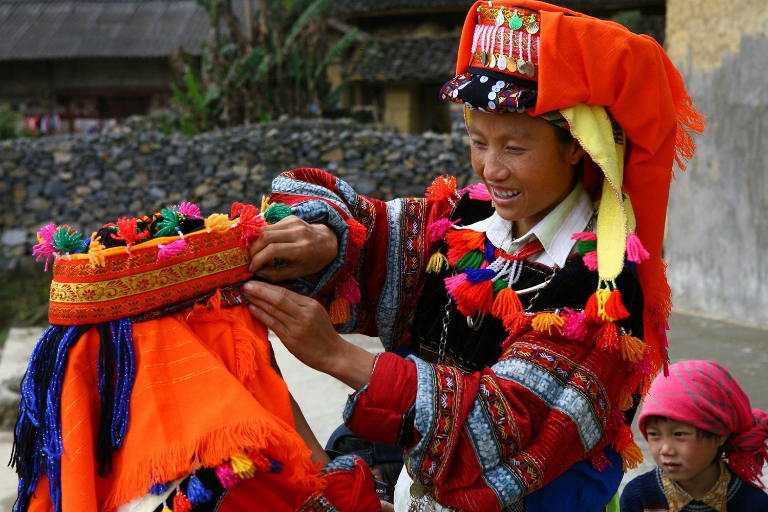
[{"x": 444, "y": 334}]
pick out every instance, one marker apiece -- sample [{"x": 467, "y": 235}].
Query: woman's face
[{"x": 526, "y": 168}]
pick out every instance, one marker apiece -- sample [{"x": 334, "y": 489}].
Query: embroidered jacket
[{"x": 520, "y": 414}]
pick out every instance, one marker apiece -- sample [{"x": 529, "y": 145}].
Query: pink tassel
[
  {"x": 584, "y": 235},
  {"x": 45, "y": 248},
  {"x": 590, "y": 260},
  {"x": 227, "y": 476},
  {"x": 636, "y": 253},
  {"x": 453, "y": 282},
  {"x": 188, "y": 209},
  {"x": 438, "y": 228},
  {"x": 575, "y": 327},
  {"x": 644, "y": 367},
  {"x": 350, "y": 290},
  {"x": 172, "y": 249},
  {"x": 476, "y": 191}
]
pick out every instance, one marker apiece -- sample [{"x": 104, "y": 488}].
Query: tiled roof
[
  {"x": 405, "y": 60},
  {"x": 40, "y": 29}
]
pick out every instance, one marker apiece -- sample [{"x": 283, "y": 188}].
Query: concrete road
[{"x": 743, "y": 350}]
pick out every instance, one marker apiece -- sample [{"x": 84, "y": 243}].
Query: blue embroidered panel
[
  {"x": 504, "y": 483},
  {"x": 555, "y": 394},
  {"x": 425, "y": 411},
  {"x": 481, "y": 435},
  {"x": 391, "y": 296}
]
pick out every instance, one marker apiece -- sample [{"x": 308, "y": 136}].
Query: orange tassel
[
  {"x": 265, "y": 203},
  {"x": 626, "y": 401},
  {"x": 340, "y": 312},
  {"x": 218, "y": 223},
  {"x": 507, "y": 303},
  {"x": 614, "y": 306},
  {"x": 549, "y": 323},
  {"x": 632, "y": 348},
  {"x": 608, "y": 337},
  {"x": 357, "y": 232},
  {"x": 627, "y": 448}
]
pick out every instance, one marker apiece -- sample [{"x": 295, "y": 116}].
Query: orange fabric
[
  {"x": 586, "y": 60},
  {"x": 204, "y": 390}
]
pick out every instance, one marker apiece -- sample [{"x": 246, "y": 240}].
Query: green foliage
[
  {"x": 9, "y": 123},
  {"x": 275, "y": 65},
  {"x": 630, "y": 19}
]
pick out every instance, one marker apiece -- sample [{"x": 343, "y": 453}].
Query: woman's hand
[
  {"x": 305, "y": 329},
  {"x": 302, "y": 249}
]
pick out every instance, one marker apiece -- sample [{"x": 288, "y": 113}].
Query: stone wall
[
  {"x": 87, "y": 181},
  {"x": 717, "y": 241}
]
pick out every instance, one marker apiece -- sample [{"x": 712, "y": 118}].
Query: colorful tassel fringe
[
  {"x": 549, "y": 323},
  {"x": 437, "y": 262},
  {"x": 180, "y": 502},
  {"x": 357, "y": 232},
  {"x": 442, "y": 188},
  {"x": 96, "y": 252},
  {"x": 340, "y": 311},
  {"x": 218, "y": 223},
  {"x": 507, "y": 303},
  {"x": 277, "y": 212},
  {"x": 438, "y": 229}
]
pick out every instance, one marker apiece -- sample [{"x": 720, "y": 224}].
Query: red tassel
[
  {"x": 608, "y": 337},
  {"x": 357, "y": 232},
  {"x": 592, "y": 309},
  {"x": 441, "y": 188},
  {"x": 350, "y": 290},
  {"x": 614, "y": 306},
  {"x": 127, "y": 232},
  {"x": 235, "y": 210},
  {"x": 181, "y": 503},
  {"x": 517, "y": 323},
  {"x": 261, "y": 462},
  {"x": 600, "y": 462},
  {"x": 507, "y": 303},
  {"x": 250, "y": 223},
  {"x": 471, "y": 298}
]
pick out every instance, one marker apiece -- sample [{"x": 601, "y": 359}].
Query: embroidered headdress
[{"x": 625, "y": 103}]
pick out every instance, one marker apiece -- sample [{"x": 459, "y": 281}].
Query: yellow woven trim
[
  {"x": 591, "y": 126},
  {"x": 120, "y": 288},
  {"x": 152, "y": 243}
]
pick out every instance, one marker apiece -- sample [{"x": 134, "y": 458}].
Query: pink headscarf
[{"x": 705, "y": 395}]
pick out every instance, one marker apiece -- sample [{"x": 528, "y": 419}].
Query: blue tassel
[
  {"x": 196, "y": 491},
  {"x": 478, "y": 275},
  {"x": 277, "y": 467},
  {"x": 490, "y": 252},
  {"x": 122, "y": 332},
  {"x": 158, "y": 489}
]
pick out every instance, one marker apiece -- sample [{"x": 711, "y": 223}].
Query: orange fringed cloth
[{"x": 152, "y": 371}]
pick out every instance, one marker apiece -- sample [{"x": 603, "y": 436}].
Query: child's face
[
  {"x": 527, "y": 170},
  {"x": 687, "y": 458}
]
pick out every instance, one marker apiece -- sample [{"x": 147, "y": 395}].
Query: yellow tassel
[
  {"x": 631, "y": 456},
  {"x": 340, "y": 311},
  {"x": 96, "y": 252},
  {"x": 165, "y": 508},
  {"x": 625, "y": 399},
  {"x": 243, "y": 466},
  {"x": 602, "y": 297},
  {"x": 218, "y": 223},
  {"x": 436, "y": 263},
  {"x": 549, "y": 323},
  {"x": 264, "y": 203},
  {"x": 632, "y": 348}
]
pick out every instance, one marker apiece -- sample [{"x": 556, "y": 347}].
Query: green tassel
[
  {"x": 277, "y": 212},
  {"x": 473, "y": 259},
  {"x": 169, "y": 225},
  {"x": 67, "y": 240},
  {"x": 499, "y": 285},
  {"x": 585, "y": 246}
]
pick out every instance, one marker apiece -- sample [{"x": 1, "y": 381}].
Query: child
[{"x": 706, "y": 442}]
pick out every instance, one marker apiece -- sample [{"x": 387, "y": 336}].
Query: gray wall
[
  {"x": 86, "y": 182},
  {"x": 717, "y": 237}
]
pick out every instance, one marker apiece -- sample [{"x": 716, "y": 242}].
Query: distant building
[
  {"x": 84, "y": 63},
  {"x": 79, "y": 64},
  {"x": 395, "y": 76}
]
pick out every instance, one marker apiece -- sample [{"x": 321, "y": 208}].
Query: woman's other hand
[
  {"x": 299, "y": 249},
  {"x": 305, "y": 329}
]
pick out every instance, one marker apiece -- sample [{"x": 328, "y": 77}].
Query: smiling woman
[{"x": 518, "y": 339}]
